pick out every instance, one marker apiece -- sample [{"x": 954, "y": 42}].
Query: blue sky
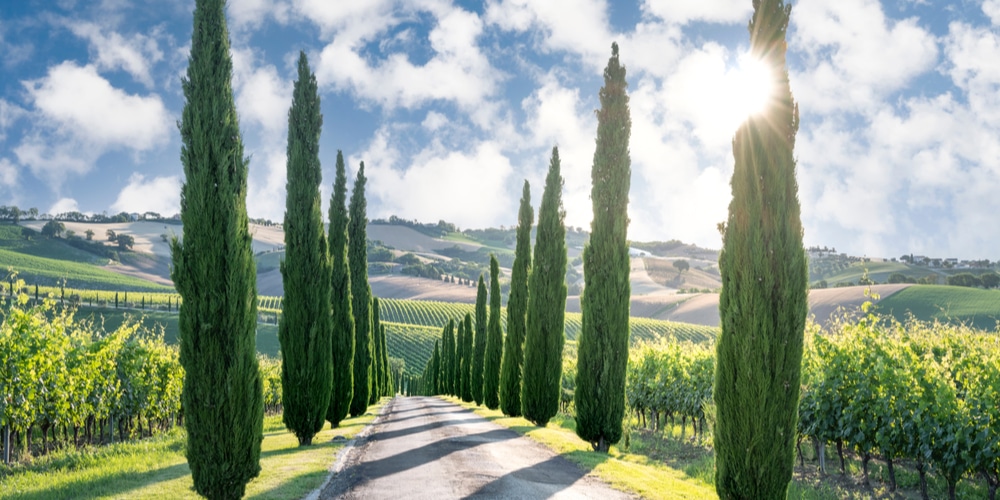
[{"x": 451, "y": 104}]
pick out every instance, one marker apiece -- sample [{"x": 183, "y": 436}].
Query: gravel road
[{"x": 422, "y": 447}]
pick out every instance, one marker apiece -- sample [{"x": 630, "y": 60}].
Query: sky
[{"x": 453, "y": 104}]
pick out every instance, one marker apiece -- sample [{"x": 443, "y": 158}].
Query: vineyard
[
  {"x": 66, "y": 382},
  {"x": 915, "y": 393}
]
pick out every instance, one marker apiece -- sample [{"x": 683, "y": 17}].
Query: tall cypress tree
[
  {"x": 305, "y": 327},
  {"x": 340, "y": 297},
  {"x": 452, "y": 359},
  {"x": 544, "y": 337},
  {"x": 215, "y": 273},
  {"x": 494, "y": 341},
  {"x": 436, "y": 369},
  {"x": 763, "y": 303},
  {"x": 479, "y": 344},
  {"x": 461, "y": 359},
  {"x": 603, "y": 343},
  {"x": 387, "y": 384},
  {"x": 517, "y": 305},
  {"x": 469, "y": 354},
  {"x": 361, "y": 293},
  {"x": 376, "y": 357}
]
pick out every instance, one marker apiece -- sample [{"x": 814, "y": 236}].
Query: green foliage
[
  {"x": 361, "y": 292},
  {"x": 376, "y": 357},
  {"x": 214, "y": 272},
  {"x": 763, "y": 304},
  {"x": 965, "y": 279},
  {"x": 479, "y": 344},
  {"x": 462, "y": 361},
  {"x": 671, "y": 379},
  {"x": 467, "y": 366},
  {"x": 448, "y": 359},
  {"x": 603, "y": 344},
  {"x": 494, "y": 342},
  {"x": 544, "y": 337},
  {"x": 342, "y": 315},
  {"x": 517, "y": 305},
  {"x": 305, "y": 330},
  {"x": 61, "y": 371}
]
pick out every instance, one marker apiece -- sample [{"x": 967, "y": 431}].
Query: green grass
[
  {"x": 156, "y": 467},
  {"x": 48, "y": 271},
  {"x": 976, "y": 307},
  {"x": 630, "y": 472},
  {"x": 877, "y": 271},
  {"x": 40, "y": 246}
]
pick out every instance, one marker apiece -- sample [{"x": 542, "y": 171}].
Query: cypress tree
[
  {"x": 361, "y": 292},
  {"x": 467, "y": 368},
  {"x": 448, "y": 358},
  {"x": 215, "y": 273},
  {"x": 376, "y": 357},
  {"x": 544, "y": 336},
  {"x": 436, "y": 369},
  {"x": 461, "y": 356},
  {"x": 479, "y": 344},
  {"x": 494, "y": 341},
  {"x": 603, "y": 344},
  {"x": 517, "y": 305},
  {"x": 763, "y": 303},
  {"x": 340, "y": 297},
  {"x": 386, "y": 384},
  {"x": 305, "y": 328}
]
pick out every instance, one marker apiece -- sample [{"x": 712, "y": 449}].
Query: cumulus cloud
[
  {"x": 251, "y": 14},
  {"x": 64, "y": 205},
  {"x": 262, "y": 96},
  {"x": 458, "y": 71},
  {"x": 78, "y": 102},
  {"x": 158, "y": 194},
  {"x": 9, "y": 113},
  {"x": 575, "y": 26},
  {"x": 8, "y": 173},
  {"x": 992, "y": 10},
  {"x": 134, "y": 54},
  {"x": 464, "y": 187},
  {"x": 854, "y": 54},
  {"x": 78, "y": 115}
]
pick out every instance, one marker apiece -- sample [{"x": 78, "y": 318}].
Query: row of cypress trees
[{"x": 334, "y": 356}]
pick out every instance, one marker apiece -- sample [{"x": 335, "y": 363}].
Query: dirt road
[{"x": 425, "y": 447}]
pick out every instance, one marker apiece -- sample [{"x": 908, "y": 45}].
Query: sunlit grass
[
  {"x": 624, "y": 471},
  {"x": 157, "y": 468}
]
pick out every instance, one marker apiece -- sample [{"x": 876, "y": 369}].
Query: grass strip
[
  {"x": 157, "y": 467},
  {"x": 627, "y": 472}
]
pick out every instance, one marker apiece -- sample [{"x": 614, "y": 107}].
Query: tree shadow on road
[
  {"x": 360, "y": 473},
  {"x": 542, "y": 480}
]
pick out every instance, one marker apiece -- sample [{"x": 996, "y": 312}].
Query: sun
[{"x": 750, "y": 85}]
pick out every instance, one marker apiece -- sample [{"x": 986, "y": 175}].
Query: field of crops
[
  {"x": 413, "y": 343},
  {"x": 950, "y": 304}
]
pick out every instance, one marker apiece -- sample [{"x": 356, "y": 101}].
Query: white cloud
[
  {"x": 464, "y": 187},
  {"x": 575, "y": 26},
  {"x": 971, "y": 63},
  {"x": 135, "y": 54},
  {"x": 434, "y": 121},
  {"x": 53, "y": 164},
  {"x": 685, "y": 11},
  {"x": 458, "y": 71},
  {"x": 8, "y": 173},
  {"x": 262, "y": 97},
  {"x": 992, "y": 10},
  {"x": 9, "y": 113},
  {"x": 64, "y": 205},
  {"x": 854, "y": 54},
  {"x": 159, "y": 194},
  {"x": 79, "y": 102},
  {"x": 252, "y": 13}
]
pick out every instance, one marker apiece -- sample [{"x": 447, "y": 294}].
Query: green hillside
[
  {"x": 877, "y": 271},
  {"x": 976, "y": 307}
]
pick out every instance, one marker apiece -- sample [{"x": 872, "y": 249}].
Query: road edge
[{"x": 338, "y": 463}]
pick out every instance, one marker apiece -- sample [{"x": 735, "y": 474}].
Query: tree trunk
[
  {"x": 865, "y": 458},
  {"x": 821, "y": 455},
  {"x": 840, "y": 451},
  {"x": 952, "y": 482},
  {"x": 892, "y": 473},
  {"x": 798, "y": 446},
  {"x": 992, "y": 481},
  {"x": 923, "y": 480}
]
